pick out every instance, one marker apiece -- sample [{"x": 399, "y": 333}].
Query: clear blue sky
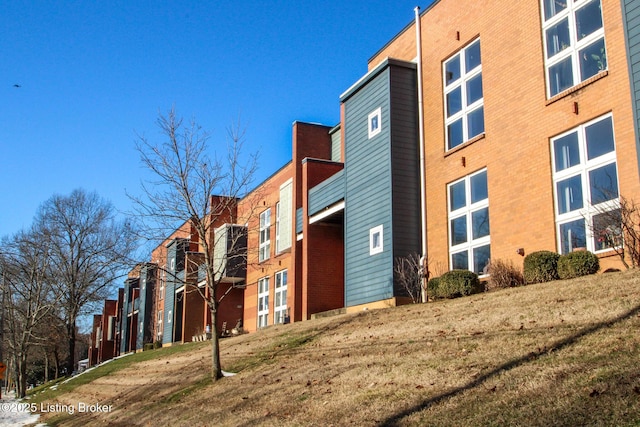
[{"x": 93, "y": 75}]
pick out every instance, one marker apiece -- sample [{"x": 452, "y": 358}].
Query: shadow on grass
[{"x": 559, "y": 345}]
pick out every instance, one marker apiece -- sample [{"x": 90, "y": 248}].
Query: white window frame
[
  {"x": 263, "y": 302},
  {"x": 575, "y": 47},
  {"x": 375, "y": 118},
  {"x": 467, "y": 212},
  {"x": 278, "y": 228},
  {"x": 265, "y": 235},
  {"x": 587, "y": 212},
  {"x": 163, "y": 279},
  {"x": 376, "y": 240},
  {"x": 280, "y": 297},
  {"x": 160, "y": 329},
  {"x": 461, "y": 83}
]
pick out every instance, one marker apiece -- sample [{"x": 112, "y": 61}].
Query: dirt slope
[{"x": 561, "y": 353}]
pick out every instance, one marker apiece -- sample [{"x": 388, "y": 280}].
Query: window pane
[
  {"x": 457, "y": 196},
  {"x": 553, "y": 7},
  {"x": 603, "y": 183},
  {"x": 569, "y": 194},
  {"x": 454, "y": 134},
  {"x": 476, "y": 122},
  {"x": 481, "y": 258},
  {"x": 480, "y": 223},
  {"x": 599, "y": 138},
  {"x": 572, "y": 236},
  {"x": 479, "y": 189},
  {"x": 472, "y": 56},
  {"x": 474, "y": 89},
  {"x": 452, "y": 70},
  {"x": 460, "y": 261},
  {"x": 454, "y": 101},
  {"x": 558, "y": 38},
  {"x": 458, "y": 230},
  {"x": 607, "y": 232},
  {"x": 588, "y": 19},
  {"x": 566, "y": 151},
  {"x": 593, "y": 59},
  {"x": 561, "y": 76}
]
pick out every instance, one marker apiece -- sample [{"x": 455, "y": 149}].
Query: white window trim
[
  {"x": 265, "y": 243},
  {"x": 376, "y": 249},
  {"x": 377, "y": 114},
  {"x": 280, "y": 310},
  {"x": 263, "y": 315},
  {"x": 278, "y": 228},
  {"x": 588, "y": 211},
  {"x": 461, "y": 83},
  {"x": 466, "y": 211},
  {"x": 576, "y": 45}
]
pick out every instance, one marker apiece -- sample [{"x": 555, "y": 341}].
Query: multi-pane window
[
  {"x": 278, "y": 228},
  {"x": 280, "y": 303},
  {"x": 463, "y": 99},
  {"x": 263, "y": 302},
  {"x": 574, "y": 42},
  {"x": 265, "y": 235},
  {"x": 585, "y": 180},
  {"x": 469, "y": 237},
  {"x": 159, "y": 325}
]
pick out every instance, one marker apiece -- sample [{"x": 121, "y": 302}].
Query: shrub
[
  {"x": 503, "y": 274},
  {"x": 456, "y": 283},
  {"x": 432, "y": 287},
  {"x": 540, "y": 266},
  {"x": 576, "y": 264},
  {"x": 147, "y": 346}
]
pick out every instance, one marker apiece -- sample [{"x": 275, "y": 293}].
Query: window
[
  {"x": 163, "y": 279},
  {"x": 376, "y": 240},
  {"x": 469, "y": 237},
  {"x": 159, "y": 325},
  {"x": 375, "y": 123},
  {"x": 169, "y": 316},
  {"x": 585, "y": 181},
  {"x": 463, "y": 98},
  {"x": 573, "y": 42},
  {"x": 265, "y": 235},
  {"x": 278, "y": 228},
  {"x": 280, "y": 303},
  {"x": 263, "y": 302}
]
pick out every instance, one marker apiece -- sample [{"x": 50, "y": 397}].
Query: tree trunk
[
  {"x": 71, "y": 336},
  {"x": 216, "y": 368},
  {"x": 21, "y": 381},
  {"x": 46, "y": 366}
]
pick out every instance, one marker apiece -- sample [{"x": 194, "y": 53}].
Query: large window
[
  {"x": 469, "y": 237},
  {"x": 159, "y": 325},
  {"x": 263, "y": 302},
  {"x": 265, "y": 235},
  {"x": 574, "y": 42},
  {"x": 463, "y": 99},
  {"x": 280, "y": 303},
  {"x": 585, "y": 180}
]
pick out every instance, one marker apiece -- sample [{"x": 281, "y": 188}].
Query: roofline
[
  {"x": 388, "y": 62},
  {"x": 407, "y": 27}
]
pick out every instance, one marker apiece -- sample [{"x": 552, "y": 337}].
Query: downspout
[{"x": 423, "y": 202}]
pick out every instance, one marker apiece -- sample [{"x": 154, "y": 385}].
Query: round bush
[
  {"x": 457, "y": 283},
  {"x": 576, "y": 264},
  {"x": 540, "y": 266},
  {"x": 432, "y": 287}
]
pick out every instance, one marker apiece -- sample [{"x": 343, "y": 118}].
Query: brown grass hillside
[{"x": 560, "y": 353}]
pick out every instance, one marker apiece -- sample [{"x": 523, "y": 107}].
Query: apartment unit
[
  {"x": 482, "y": 131},
  {"x": 105, "y": 336}
]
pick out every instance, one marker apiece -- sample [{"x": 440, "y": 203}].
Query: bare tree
[
  {"x": 29, "y": 298},
  {"x": 410, "y": 275},
  {"x": 618, "y": 228},
  {"x": 89, "y": 249},
  {"x": 186, "y": 180}
]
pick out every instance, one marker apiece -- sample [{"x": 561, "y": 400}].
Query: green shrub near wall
[
  {"x": 455, "y": 283},
  {"x": 576, "y": 264},
  {"x": 540, "y": 266}
]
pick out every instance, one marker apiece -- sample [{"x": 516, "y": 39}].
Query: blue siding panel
[
  {"x": 631, "y": 20},
  {"x": 327, "y": 193}
]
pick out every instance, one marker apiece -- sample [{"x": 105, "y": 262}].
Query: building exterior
[{"x": 482, "y": 131}]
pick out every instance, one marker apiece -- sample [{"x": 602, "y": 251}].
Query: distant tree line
[{"x": 53, "y": 273}]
